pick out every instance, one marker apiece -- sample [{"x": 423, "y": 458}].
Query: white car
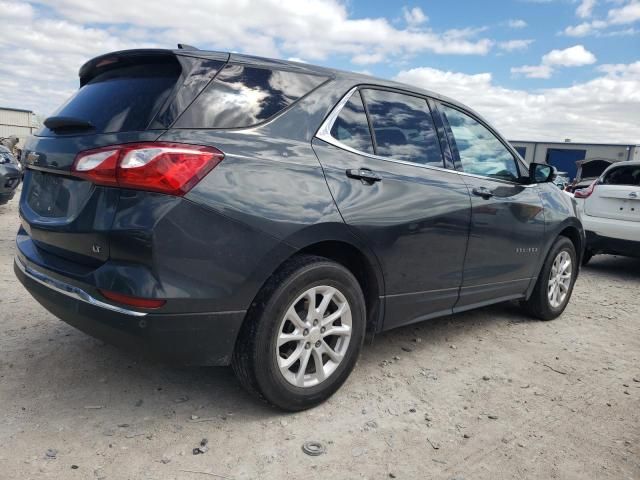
[{"x": 610, "y": 211}]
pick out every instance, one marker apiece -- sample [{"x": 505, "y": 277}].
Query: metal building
[
  {"x": 14, "y": 121},
  {"x": 564, "y": 155}
]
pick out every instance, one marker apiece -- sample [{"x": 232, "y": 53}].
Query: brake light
[
  {"x": 170, "y": 168},
  {"x": 133, "y": 301},
  {"x": 585, "y": 192}
]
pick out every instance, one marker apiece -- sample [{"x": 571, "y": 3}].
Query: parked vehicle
[
  {"x": 562, "y": 180},
  {"x": 227, "y": 209},
  {"x": 588, "y": 171},
  {"x": 10, "y": 175},
  {"x": 610, "y": 211}
]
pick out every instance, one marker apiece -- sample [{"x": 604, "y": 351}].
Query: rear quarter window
[{"x": 243, "y": 96}]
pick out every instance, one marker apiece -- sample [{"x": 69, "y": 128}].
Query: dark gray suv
[{"x": 225, "y": 209}]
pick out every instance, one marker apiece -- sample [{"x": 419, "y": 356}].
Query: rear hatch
[
  {"x": 617, "y": 194},
  {"x": 124, "y": 97}
]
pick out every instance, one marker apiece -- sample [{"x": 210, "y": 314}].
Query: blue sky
[
  {"x": 545, "y": 21},
  {"x": 537, "y": 69}
]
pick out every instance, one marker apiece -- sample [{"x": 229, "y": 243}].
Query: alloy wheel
[
  {"x": 560, "y": 279},
  {"x": 314, "y": 336}
]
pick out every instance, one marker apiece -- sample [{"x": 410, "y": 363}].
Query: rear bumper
[
  {"x": 613, "y": 246},
  {"x": 611, "y": 228},
  {"x": 191, "y": 338}
]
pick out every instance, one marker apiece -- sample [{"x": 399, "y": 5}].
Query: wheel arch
[
  {"x": 573, "y": 233},
  {"x": 336, "y": 242},
  {"x": 357, "y": 262},
  {"x": 572, "y": 229}
]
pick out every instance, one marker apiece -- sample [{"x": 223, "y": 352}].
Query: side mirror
[{"x": 542, "y": 173}]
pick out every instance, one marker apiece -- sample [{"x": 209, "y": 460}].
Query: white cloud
[
  {"x": 629, "y": 13},
  {"x": 625, "y": 14},
  {"x": 414, "y": 16},
  {"x": 367, "y": 58},
  {"x": 605, "y": 109},
  {"x": 580, "y": 30},
  {"x": 308, "y": 28},
  {"x": 585, "y": 9},
  {"x": 516, "y": 23},
  {"x": 575, "y": 56},
  {"x": 45, "y": 43},
  {"x": 533, "y": 71},
  {"x": 513, "y": 45}
]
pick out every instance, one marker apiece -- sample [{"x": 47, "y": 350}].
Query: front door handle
[
  {"x": 483, "y": 192},
  {"x": 367, "y": 176},
  {"x": 633, "y": 195}
]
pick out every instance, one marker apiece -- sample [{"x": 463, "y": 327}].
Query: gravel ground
[{"x": 486, "y": 394}]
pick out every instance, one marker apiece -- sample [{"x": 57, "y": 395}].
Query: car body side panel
[
  {"x": 416, "y": 221},
  {"x": 505, "y": 243},
  {"x": 272, "y": 182},
  {"x": 560, "y": 213}
]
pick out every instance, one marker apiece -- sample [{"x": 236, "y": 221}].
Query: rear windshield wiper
[{"x": 67, "y": 123}]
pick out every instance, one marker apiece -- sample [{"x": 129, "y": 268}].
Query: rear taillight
[
  {"x": 170, "y": 168},
  {"x": 585, "y": 192}
]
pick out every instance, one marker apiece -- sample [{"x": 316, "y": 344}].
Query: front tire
[
  {"x": 555, "y": 283},
  {"x": 302, "y": 335}
]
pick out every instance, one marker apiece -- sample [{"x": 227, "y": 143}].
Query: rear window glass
[
  {"x": 594, "y": 168},
  {"x": 627, "y": 175},
  {"x": 351, "y": 127},
  {"x": 242, "y": 96},
  {"x": 123, "y": 99}
]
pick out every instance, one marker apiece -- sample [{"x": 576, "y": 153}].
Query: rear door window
[
  {"x": 403, "y": 127},
  {"x": 123, "y": 99},
  {"x": 628, "y": 175},
  {"x": 242, "y": 96},
  {"x": 351, "y": 127},
  {"x": 480, "y": 151}
]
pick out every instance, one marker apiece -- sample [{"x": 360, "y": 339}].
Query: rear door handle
[
  {"x": 483, "y": 192},
  {"x": 364, "y": 174}
]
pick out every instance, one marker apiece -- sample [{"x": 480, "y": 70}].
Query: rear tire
[
  {"x": 287, "y": 329},
  {"x": 555, "y": 283}
]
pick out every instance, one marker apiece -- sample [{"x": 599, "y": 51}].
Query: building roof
[
  {"x": 16, "y": 109},
  {"x": 577, "y": 143}
]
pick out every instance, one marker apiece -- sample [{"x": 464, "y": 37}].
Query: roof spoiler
[{"x": 102, "y": 63}]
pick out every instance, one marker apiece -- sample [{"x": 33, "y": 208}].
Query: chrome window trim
[
  {"x": 71, "y": 291},
  {"x": 501, "y": 180},
  {"x": 324, "y": 134},
  {"x": 510, "y": 148}
]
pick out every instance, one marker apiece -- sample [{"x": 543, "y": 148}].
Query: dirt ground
[{"x": 488, "y": 394}]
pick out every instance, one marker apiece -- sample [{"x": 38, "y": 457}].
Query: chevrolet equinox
[{"x": 224, "y": 209}]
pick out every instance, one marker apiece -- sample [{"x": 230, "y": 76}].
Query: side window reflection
[
  {"x": 242, "y": 96},
  {"x": 481, "y": 153},
  {"x": 403, "y": 127},
  {"x": 351, "y": 127}
]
